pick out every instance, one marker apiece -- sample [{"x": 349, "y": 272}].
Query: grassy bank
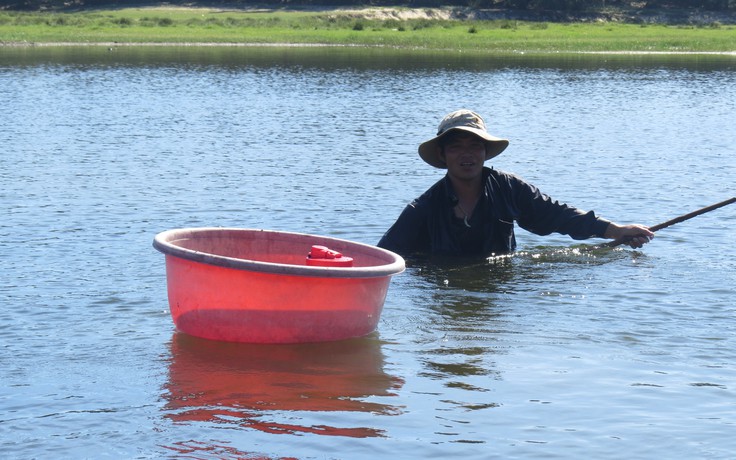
[{"x": 187, "y": 25}]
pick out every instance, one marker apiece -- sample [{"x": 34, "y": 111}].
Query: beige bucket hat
[{"x": 464, "y": 120}]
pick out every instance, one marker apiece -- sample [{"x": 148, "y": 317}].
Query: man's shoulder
[
  {"x": 438, "y": 191},
  {"x": 500, "y": 177},
  {"x": 438, "y": 187}
]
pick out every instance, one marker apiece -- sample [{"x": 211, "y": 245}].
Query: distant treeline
[{"x": 528, "y": 5}]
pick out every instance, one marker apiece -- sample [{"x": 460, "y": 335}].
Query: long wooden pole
[
  {"x": 681, "y": 218},
  {"x": 690, "y": 215}
]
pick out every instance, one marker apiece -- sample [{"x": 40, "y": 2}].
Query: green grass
[{"x": 180, "y": 25}]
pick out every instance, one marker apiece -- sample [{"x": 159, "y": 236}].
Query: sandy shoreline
[{"x": 694, "y": 16}]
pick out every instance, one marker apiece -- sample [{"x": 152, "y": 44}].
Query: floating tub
[{"x": 246, "y": 285}]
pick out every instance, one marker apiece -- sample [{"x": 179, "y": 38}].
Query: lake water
[{"x": 551, "y": 353}]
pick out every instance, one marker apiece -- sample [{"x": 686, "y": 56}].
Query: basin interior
[{"x": 273, "y": 247}]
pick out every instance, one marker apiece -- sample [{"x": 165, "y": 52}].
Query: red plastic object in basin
[
  {"x": 325, "y": 257},
  {"x": 245, "y": 285}
]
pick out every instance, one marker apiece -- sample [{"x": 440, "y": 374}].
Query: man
[{"x": 471, "y": 211}]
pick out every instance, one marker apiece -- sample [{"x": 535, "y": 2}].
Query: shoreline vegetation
[{"x": 443, "y": 28}]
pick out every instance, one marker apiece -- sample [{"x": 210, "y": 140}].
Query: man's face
[{"x": 464, "y": 155}]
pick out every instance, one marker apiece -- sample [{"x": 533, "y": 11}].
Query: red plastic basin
[{"x": 246, "y": 285}]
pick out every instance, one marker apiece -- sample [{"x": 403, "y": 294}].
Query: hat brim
[{"x": 430, "y": 150}]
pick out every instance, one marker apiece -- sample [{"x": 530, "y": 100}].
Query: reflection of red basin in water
[
  {"x": 246, "y": 285},
  {"x": 247, "y": 385}
]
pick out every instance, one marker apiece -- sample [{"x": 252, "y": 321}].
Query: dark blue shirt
[{"x": 428, "y": 225}]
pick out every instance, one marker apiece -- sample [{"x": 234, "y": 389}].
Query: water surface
[{"x": 551, "y": 353}]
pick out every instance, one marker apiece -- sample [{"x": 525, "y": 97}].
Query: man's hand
[{"x": 634, "y": 235}]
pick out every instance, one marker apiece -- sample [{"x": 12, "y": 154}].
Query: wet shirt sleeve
[{"x": 538, "y": 213}]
